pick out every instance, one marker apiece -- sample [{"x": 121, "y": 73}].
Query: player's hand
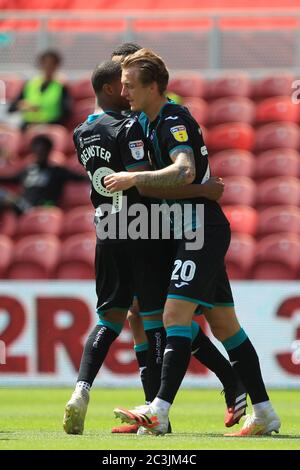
[
  {"x": 214, "y": 188},
  {"x": 119, "y": 181}
]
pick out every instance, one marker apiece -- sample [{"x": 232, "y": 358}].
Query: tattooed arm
[{"x": 179, "y": 173}]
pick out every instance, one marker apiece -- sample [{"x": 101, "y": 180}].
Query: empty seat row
[
  {"x": 45, "y": 256},
  {"x": 49, "y": 220},
  {"x": 274, "y": 257},
  {"x": 278, "y": 219},
  {"x": 193, "y": 84},
  {"x": 54, "y": 221},
  {"x": 187, "y": 84},
  {"x": 281, "y": 190},
  {"x": 241, "y": 109},
  {"x": 276, "y": 162},
  {"x": 232, "y": 135}
]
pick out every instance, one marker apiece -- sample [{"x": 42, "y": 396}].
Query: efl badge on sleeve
[
  {"x": 179, "y": 133},
  {"x": 137, "y": 149}
]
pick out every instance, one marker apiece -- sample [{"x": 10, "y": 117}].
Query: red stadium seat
[
  {"x": 279, "y": 219},
  {"x": 9, "y": 167},
  {"x": 9, "y": 142},
  {"x": 231, "y": 136},
  {"x": 277, "y": 135},
  {"x": 6, "y": 250},
  {"x": 278, "y": 108},
  {"x": 78, "y": 220},
  {"x": 13, "y": 86},
  {"x": 239, "y": 190},
  {"x": 280, "y": 85},
  {"x": 8, "y": 223},
  {"x": 187, "y": 85},
  {"x": 81, "y": 111},
  {"x": 34, "y": 257},
  {"x": 75, "y": 194},
  {"x": 58, "y": 134},
  {"x": 277, "y": 162},
  {"x": 240, "y": 256},
  {"x": 77, "y": 257},
  {"x": 44, "y": 220},
  {"x": 234, "y": 85},
  {"x": 283, "y": 190},
  {"x": 243, "y": 219},
  {"x": 74, "y": 165},
  {"x": 198, "y": 108},
  {"x": 232, "y": 163},
  {"x": 232, "y": 109},
  {"x": 81, "y": 89},
  {"x": 277, "y": 257}
]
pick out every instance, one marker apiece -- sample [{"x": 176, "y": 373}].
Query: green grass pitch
[{"x": 32, "y": 419}]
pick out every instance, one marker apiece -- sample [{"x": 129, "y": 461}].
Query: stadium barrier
[{"x": 43, "y": 327}]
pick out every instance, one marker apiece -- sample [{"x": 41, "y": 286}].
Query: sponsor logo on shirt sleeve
[
  {"x": 137, "y": 149},
  {"x": 179, "y": 133}
]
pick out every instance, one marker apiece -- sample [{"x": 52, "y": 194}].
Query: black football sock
[
  {"x": 245, "y": 361},
  {"x": 156, "y": 335},
  {"x": 207, "y": 353},
  {"x": 141, "y": 352},
  {"x": 176, "y": 359},
  {"x": 96, "y": 349}
]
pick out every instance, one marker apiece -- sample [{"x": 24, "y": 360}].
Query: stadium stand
[
  {"x": 283, "y": 190},
  {"x": 40, "y": 220},
  {"x": 75, "y": 194},
  {"x": 278, "y": 85},
  {"x": 8, "y": 223},
  {"x": 279, "y": 219},
  {"x": 240, "y": 256},
  {"x": 231, "y": 136},
  {"x": 243, "y": 219},
  {"x": 198, "y": 108},
  {"x": 252, "y": 128},
  {"x": 234, "y": 85},
  {"x": 78, "y": 220},
  {"x": 77, "y": 257},
  {"x": 6, "y": 250},
  {"x": 239, "y": 190},
  {"x": 277, "y": 162},
  {"x": 277, "y": 135},
  {"x": 277, "y": 257},
  {"x": 231, "y": 109},
  {"x": 233, "y": 163},
  {"x": 34, "y": 257},
  {"x": 187, "y": 85},
  {"x": 279, "y": 108}
]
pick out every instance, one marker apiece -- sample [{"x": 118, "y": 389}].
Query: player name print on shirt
[
  {"x": 137, "y": 149},
  {"x": 179, "y": 133}
]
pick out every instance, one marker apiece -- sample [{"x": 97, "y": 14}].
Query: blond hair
[{"x": 151, "y": 68}]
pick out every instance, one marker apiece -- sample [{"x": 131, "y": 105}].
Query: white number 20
[{"x": 187, "y": 270}]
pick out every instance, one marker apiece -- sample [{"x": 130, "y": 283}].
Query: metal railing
[{"x": 191, "y": 40}]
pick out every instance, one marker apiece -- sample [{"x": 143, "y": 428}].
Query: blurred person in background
[
  {"x": 44, "y": 99},
  {"x": 42, "y": 182}
]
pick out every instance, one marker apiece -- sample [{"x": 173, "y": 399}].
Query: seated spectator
[
  {"x": 42, "y": 182},
  {"x": 44, "y": 99}
]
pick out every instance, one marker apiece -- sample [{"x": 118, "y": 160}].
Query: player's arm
[
  {"x": 212, "y": 189},
  {"x": 181, "y": 172}
]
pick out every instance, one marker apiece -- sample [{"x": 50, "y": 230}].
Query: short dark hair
[
  {"x": 42, "y": 139},
  {"x": 106, "y": 72},
  {"x": 49, "y": 53},
  {"x": 125, "y": 49}
]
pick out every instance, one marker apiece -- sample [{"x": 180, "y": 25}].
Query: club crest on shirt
[
  {"x": 137, "y": 149},
  {"x": 179, "y": 133}
]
